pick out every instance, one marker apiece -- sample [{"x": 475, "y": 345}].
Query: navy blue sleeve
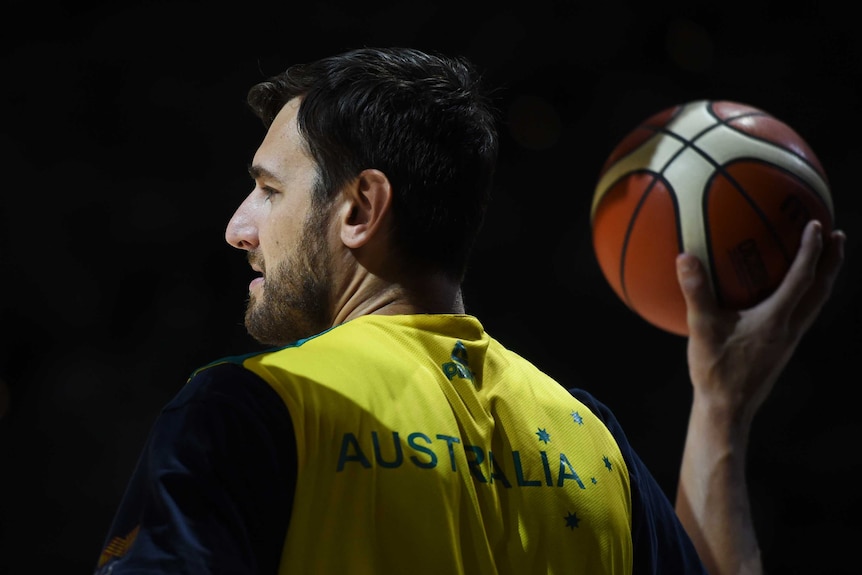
[
  {"x": 661, "y": 544},
  {"x": 213, "y": 488}
]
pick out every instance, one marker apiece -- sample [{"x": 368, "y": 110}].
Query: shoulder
[
  {"x": 226, "y": 381},
  {"x": 190, "y": 491},
  {"x": 223, "y": 406}
]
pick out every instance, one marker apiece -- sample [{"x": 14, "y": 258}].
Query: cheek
[
  {"x": 271, "y": 244},
  {"x": 277, "y": 234}
]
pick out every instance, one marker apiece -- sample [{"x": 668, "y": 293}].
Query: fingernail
[{"x": 685, "y": 263}]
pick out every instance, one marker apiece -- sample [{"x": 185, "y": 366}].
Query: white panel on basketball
[{"x": 687, "y": 177}]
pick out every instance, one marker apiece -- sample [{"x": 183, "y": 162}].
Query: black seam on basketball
[
  {"x": 790, "y": 151},
  {"x": 707, "y": 233},
  {"x": 759, "y": 113},
  {"x": 722, "y": 169},
  {"x": 656, "y": 177},
  {"x": 718, "y": 170},
  {"x": 738, "y": 269}
]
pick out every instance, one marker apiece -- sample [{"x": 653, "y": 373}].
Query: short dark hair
[{"x": 424, "y": 119}]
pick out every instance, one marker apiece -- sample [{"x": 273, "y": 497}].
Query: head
[{"x": 420, "y": 121}]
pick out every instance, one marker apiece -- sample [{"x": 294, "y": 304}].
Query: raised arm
[{"x": 734, "y": 360}]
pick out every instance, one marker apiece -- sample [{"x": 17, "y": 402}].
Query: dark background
[{"x": 124, "y": 142}]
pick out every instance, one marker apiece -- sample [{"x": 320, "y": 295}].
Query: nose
[{"x": 241, "y": 231}]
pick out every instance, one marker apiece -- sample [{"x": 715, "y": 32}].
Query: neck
[{"x": 372, "y": 295}]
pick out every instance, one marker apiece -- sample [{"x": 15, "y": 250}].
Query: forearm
[{"x": 712, "y": 498}]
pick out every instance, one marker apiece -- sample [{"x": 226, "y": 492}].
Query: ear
[{"x": 368, "y": 200}]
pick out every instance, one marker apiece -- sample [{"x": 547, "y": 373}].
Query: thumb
[{"x": 695, "y": 286}]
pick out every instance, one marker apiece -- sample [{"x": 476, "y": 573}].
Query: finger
[
  {"x": 802, "y": 272},
  {"x": 828, "y": 268}
]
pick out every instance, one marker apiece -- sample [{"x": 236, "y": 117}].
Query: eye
[{"x": 268, "y": 192}]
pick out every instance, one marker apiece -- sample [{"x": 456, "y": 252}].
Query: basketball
[{"x": 723, "y": 180}]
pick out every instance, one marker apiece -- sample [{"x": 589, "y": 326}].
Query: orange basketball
[{"x": 725, "y": 181}]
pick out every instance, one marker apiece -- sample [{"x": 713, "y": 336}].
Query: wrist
[{"x": 722, "y": 416}]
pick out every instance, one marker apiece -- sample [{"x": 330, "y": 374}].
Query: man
[{"x": 385, "y": 431}]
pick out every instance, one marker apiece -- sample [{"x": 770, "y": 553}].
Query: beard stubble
[{"x": 295, "y": 299}]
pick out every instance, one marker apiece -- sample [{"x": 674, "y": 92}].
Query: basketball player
[{"x": 384, "y": 431}]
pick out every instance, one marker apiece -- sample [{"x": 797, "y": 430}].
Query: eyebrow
[{"x": 257, "y": 172}]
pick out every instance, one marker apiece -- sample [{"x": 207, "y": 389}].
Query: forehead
[{"x": 282, "y": 151}]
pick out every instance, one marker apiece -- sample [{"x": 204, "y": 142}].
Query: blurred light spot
[{"x": 689, "y": 45}]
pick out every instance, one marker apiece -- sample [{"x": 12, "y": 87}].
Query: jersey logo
[
  {"x": 118, "y": 547},
  {"x": 458, "y": 366}
]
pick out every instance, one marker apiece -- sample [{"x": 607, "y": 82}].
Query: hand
[{"x": 735, "y": 357}]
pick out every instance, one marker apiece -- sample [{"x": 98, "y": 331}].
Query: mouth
[
  {"x": 256, "y": 265},
  {"x": 255, "y": 284}
]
